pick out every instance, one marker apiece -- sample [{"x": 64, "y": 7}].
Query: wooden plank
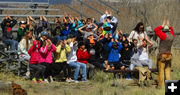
[{"x": 128, "y": 71}]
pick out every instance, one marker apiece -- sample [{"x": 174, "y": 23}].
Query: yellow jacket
[{"x": 61, "y": 53}]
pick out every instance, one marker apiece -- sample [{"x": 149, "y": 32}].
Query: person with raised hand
[
  {"x": 166, "y": 34},
  {"x": 7, "y": 25}
]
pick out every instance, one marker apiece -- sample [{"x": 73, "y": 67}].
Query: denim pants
[
  {"x": 140, "y": 63},
  {"x": 77, "y": 66},
  {"x": 57, "y": 38},
  {"x": 13, "y": 43}
]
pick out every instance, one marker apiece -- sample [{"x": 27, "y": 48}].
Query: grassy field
[{"x": 99, "y": 85}]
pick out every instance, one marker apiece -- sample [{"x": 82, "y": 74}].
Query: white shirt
[
  {"x": 71, "y": 57},
  {"x": 135, "y": 35},
  {"x": 143, "y": 53}
]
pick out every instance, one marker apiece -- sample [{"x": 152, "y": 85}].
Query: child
[
  {"x": 114, "y": 55},
  {"x": 83, "y": 56},
  {"x": 61, "y": 59},
  {"x": 72, "y": 61},
  {"x": 39, "y": 69},
  {"x": 140, "y": 56},
  {"x": 46, "y": 58}
]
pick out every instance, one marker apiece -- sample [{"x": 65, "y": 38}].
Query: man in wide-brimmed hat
[{"x": 166, "y": 35}]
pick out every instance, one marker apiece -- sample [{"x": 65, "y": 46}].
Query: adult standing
[
  {"x": 138, "y": 33},
  {"x": 166, "y": 35}
]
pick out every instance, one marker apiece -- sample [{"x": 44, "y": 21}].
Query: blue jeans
[
  {"x": 57, "y": 38},
  {"x": 13, "y": 43},
  {"x": 77, "y": 66}
]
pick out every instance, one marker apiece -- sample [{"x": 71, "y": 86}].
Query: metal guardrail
[
  {"x": 25, "y": 3},
  {"x": 29, "y": 9},
  {"x": 82, "y": 3},
  {"x": 76, "y": 11},
  {"x": 102, "y": 2},
  {"x": 49, "y": 16}
]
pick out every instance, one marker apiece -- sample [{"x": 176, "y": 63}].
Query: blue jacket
[
  {"x": 114, "y": 54},
  {"x": 66, "y": 30}
]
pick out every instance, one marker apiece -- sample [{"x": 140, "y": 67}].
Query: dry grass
[{"x": 100, "y": 85}]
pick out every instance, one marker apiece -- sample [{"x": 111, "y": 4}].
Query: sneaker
[
  {"x": 46, "y": 81},
  {"x": 76, "y": 81},
  {"x": 40, "y": 80},
  {"x": 71, "y": 80},
  {"x": 67, "y": 80},
  {"x": 34, "y": 80}
]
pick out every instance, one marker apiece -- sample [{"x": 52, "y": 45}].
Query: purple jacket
[{"x": 46, "y": 54}]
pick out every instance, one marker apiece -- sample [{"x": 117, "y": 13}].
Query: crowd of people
[{"x": 76, "y": 43}]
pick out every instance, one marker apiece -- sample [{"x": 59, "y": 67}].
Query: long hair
[
  {"x": 27, "y": 40},
  {"x": 137, "y": 27}
]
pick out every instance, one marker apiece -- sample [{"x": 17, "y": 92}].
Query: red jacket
[
  {"x": 158, "y": 31},
  {"x": 34, "y": 53},
  {"x": 82, "y": 56}
]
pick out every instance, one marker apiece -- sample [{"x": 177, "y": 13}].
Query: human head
[
  {"x": 29, "y": 34},
  {"x": 88, "y": 21},
  {"x": 144, "y": 43},
  {"x": 23, "y": 24},
  {"x": 81, "y": 45},
  {"x": 44, "y": 35},
  {"x": 135, "y": 42},
  {"x": 139, "y": 27},
  {"x": 126, "y": 43},
  {"x": 91, "y": 42},
  {"x": 115, "y": 45}
]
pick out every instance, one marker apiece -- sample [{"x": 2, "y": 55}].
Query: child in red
[{"x": 34, "y": 53}]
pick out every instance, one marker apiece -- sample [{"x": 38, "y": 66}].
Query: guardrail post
[{"x": 81, "y": 9}]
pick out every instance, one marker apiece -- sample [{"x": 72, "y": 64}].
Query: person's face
[
  {"x": 63, "y": 46},
  {"x": 125, "y": 45},
  {"x": 91, "y": 44},
  {"x": 29, "y": 35},
  {"x": 44, "y": 37},
  {"x": 88, "y": 29},
  {"x": 23, "y": 25},
  {"x": 141, "y": 28},
  {"x": 30, "y": 22},
  {"x": 83, "y": 47},
  {"x": 115, "y": 46},
  {"x": 7, "y": 23},
  {"x": 144, "y": 43},
  {"x": 135, "y": 43}
]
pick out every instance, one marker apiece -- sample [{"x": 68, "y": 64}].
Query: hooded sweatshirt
[
  {"x": 46, "y": 54},
  {"x": 72, "y": 55},
  {"x": 62, "y": 53},
  {"x": 34, "y": 53},
  {"x": 114, "y": 54},
  {"x": 82, "y": 56}
]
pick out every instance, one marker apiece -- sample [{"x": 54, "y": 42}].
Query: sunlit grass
[{"x": 99, "y": 85}]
